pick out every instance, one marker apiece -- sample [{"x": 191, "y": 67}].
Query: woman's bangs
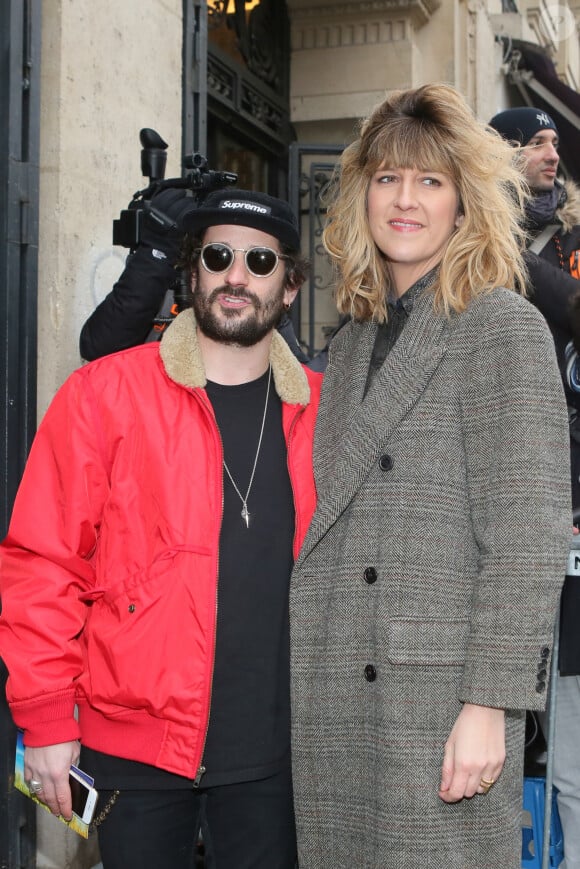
[{"x": 412, "y": 146}]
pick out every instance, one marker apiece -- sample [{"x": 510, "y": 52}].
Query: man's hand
[
  {"x": 49, "y": 766},
  {"x": 161, "y": 228},
  {"x": 474, "y": 752}
]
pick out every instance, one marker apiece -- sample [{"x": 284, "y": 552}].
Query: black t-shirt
[{"x": 249, "y": 729}]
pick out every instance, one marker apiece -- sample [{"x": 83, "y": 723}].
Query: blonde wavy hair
[{"x": 431, "y": 129}]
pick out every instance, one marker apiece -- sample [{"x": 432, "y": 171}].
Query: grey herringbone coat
[{"x": 429, "y": 577}]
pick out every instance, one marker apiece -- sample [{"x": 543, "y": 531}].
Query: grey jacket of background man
[{"x": 436, "y": 555}]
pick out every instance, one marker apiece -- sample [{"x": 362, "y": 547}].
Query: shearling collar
[
  {"x": 182, "y": 360},
  {"x": 569, "y": 213}
]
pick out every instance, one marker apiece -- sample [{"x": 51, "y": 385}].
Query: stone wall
[{"x": 107, "y": 70}]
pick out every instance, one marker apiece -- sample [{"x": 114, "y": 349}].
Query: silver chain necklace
[{"x": 245, "y": 513}]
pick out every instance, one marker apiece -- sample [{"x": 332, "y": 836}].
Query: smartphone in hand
[{"x": 84, "y": 796}]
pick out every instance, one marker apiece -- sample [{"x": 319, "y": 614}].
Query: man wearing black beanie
[
  {"x": 553, "y": 256},
  {"x": 553, "y": 260}
]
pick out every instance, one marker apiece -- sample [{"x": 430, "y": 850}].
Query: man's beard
[{"x": 235, "y": 327}]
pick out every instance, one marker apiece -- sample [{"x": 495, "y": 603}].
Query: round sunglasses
[{"x": 217, "y": 257}]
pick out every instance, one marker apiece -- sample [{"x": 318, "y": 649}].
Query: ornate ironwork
[
  {"x": 261, "y": 109},
  {"x": 246, "y": 100},
  {"x": 216, "y": 13},
  {"x": 312, "y": 174},
  {"x": 267, "y": 43},
  {"x": 262, "y": 37},
  {"x": 221, "y": 79},
  {"x": 315, "y": 188}
]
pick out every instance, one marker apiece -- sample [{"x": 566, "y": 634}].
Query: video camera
[
  {"x": 200, "y": 180},
  {"x": 127, "y": 228}
]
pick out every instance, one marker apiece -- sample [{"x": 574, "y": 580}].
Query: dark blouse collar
[{"x": 407, "y": 300}]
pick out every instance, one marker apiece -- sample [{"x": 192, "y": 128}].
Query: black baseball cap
[
  {"x": 246, "y": 208},
  {"x": 520, "y": 124}
]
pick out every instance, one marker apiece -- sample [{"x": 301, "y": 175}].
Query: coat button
[
  {"x": 370, "y": 673},
  {"x": 545, "y": 653},
  {"x": 542, "y": 672},
  {"x": 385, "y": 463},
  {"x": 131, "y": 608},
  {"x": 540, "y": 686},
  {"x": 370, "y": 575}
]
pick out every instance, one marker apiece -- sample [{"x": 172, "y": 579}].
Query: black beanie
[
  {"x": 246, "y": 208},
  {"x": 519, "y": 125}
]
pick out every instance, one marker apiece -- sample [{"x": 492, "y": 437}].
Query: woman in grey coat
[{"x": 424, "y": 598}]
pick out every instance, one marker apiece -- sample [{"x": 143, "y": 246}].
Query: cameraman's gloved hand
[{"x": 161, "y": 225}]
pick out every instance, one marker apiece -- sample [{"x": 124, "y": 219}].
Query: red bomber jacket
[{"x": 108, "y": 574}]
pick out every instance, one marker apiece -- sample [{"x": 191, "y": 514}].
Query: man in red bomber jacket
[{"x": 144, "y": 578}]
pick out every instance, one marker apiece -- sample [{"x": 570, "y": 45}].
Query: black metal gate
[
  {"x": 194, "y": 84},
  {"x": 312, "y": 169},
  {"x": 19, "y": 150}
]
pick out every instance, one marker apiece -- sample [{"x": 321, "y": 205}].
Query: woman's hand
[
  {"x": 46, "y": 771},
  {"x": 474, "y": 752}
]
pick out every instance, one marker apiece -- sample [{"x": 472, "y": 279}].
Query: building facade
[{"x": 270, "y": 89}]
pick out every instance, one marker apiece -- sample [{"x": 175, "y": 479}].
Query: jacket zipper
[
  {"x": 202, "y": 769},
  {"x": 200, "y": 772}
]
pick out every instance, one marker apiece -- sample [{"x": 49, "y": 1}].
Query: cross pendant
[{"x": 246, "y": 516}]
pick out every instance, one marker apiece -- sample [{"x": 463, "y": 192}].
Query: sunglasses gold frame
[{"x": 247, "y": 251}]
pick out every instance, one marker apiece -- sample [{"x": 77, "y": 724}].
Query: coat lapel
[
  {"x": 342, "y": 396},
  {"x": 352, "y": 431}
]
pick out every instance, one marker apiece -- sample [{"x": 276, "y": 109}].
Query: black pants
[{"x": 244, "y": 826}]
